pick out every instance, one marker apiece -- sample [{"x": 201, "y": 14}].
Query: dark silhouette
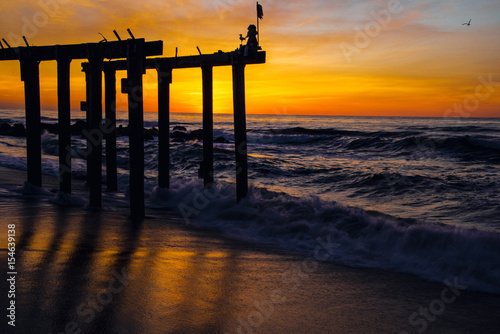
[
  {"x": 467, "y": 24},
  {"x": 117, "y": 36},
  {"x": 8, "y": 45},
  {"x": 130, "y": 33},
  {"x": 103, "y": 38},
  {"x": 252, "y": 43},
  {"x": 95, "y": 129}
]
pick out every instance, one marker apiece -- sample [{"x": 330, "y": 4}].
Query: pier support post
[
  {"x": 136, "y": 67},
  {"x": 164, "y": 81},
  {"x": 110, "y": 114},
  {"x": 94, "y": 132},
  {"x": 64, "y": 120},
  {"x": 208, "y": 127},
  {"x": 240, "y": 131},
  {"x": 30, "y": 74}
]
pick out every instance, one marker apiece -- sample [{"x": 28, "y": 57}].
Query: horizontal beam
[
  {"x": 215, "y": 59},
  {"x": 108, "y": 50},
  {"x": 9, "y": 54}
]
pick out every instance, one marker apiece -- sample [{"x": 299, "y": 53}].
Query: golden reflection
[
  {"x": 182, "y": 284},
  {"x": 255, "y": 155}
]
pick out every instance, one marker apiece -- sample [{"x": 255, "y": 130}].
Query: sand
[{"x": 80, "y": 271}]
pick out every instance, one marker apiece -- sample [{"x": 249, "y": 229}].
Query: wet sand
[{"x": 97, "y": 272}]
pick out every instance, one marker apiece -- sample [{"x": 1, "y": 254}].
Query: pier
[{"x": 134, "y": 56}]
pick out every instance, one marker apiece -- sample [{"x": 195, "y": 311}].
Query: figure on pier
[{"x": 252, "y": 44}]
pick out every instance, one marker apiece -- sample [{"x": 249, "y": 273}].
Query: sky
[{"x": 350, "y": 57}]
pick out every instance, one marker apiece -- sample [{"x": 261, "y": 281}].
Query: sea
[{"x": 404, "y": 194}]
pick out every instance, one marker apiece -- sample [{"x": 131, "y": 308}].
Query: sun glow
[{"x": 420, "y": 64}]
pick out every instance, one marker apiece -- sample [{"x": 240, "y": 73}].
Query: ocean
[{"x": 412, "y": 195}]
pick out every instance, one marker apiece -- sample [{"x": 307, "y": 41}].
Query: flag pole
[
  {"x": 260, "y": 14},
  {"x": 258, "y": 29}
]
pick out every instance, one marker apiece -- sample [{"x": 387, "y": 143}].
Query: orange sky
[{"x": 372, "y": 57}]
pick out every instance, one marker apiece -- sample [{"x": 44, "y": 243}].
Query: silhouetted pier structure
[{"x": 133, "y": 54}]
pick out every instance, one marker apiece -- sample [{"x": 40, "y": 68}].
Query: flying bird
[{"x": 467, "y": 24}]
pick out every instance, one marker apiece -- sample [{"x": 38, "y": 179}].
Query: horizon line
[{"x": 272, "y": 114}]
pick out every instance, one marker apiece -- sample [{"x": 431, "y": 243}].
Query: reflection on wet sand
[
  {"x": 96, "y": 272},
  {"x": 103, "y": 274}
]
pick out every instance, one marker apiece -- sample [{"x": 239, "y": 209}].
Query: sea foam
[{"x": 364, "y": 239}]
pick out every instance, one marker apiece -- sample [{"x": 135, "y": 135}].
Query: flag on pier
[
  {"x": 260, "y": 15},
  {"x": 260, "y": 12}
]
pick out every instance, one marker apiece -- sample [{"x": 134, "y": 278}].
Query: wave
[
  {"x": 407, "y": 138},
  {"x": 466, "y": 129},
  {"x": 286, "y": 139},
  {"x": 307, "y": 131},
  {"x": 349, "y": 138},
  {"x": 361, "y": 238},
  {"x": 464, "y": 147},
  {"x": 339, "y": 132},
  {"x": 401, "y": 143}
]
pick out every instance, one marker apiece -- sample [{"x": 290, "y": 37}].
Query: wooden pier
[{"x": 130, "y": 55}]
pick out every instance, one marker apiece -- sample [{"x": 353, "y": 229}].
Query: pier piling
[
  {"x": 110, "y": 114},
  {"x": 94, "y": 130},
  {"x": 208, "y": 127},
  {"x": 164, "y": 81},
  {"x": 135, "y": 70},
  {"x": 240, "y": 131},
  {"x": 64, "y": 119},
  {"x": 30, "y": 74}
]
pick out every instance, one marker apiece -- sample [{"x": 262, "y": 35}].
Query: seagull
[{"x": 467, "y": 24}]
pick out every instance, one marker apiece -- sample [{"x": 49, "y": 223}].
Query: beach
[
  {"x": 82, "y": 271},
  {"x": 159, "y": 175}
]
